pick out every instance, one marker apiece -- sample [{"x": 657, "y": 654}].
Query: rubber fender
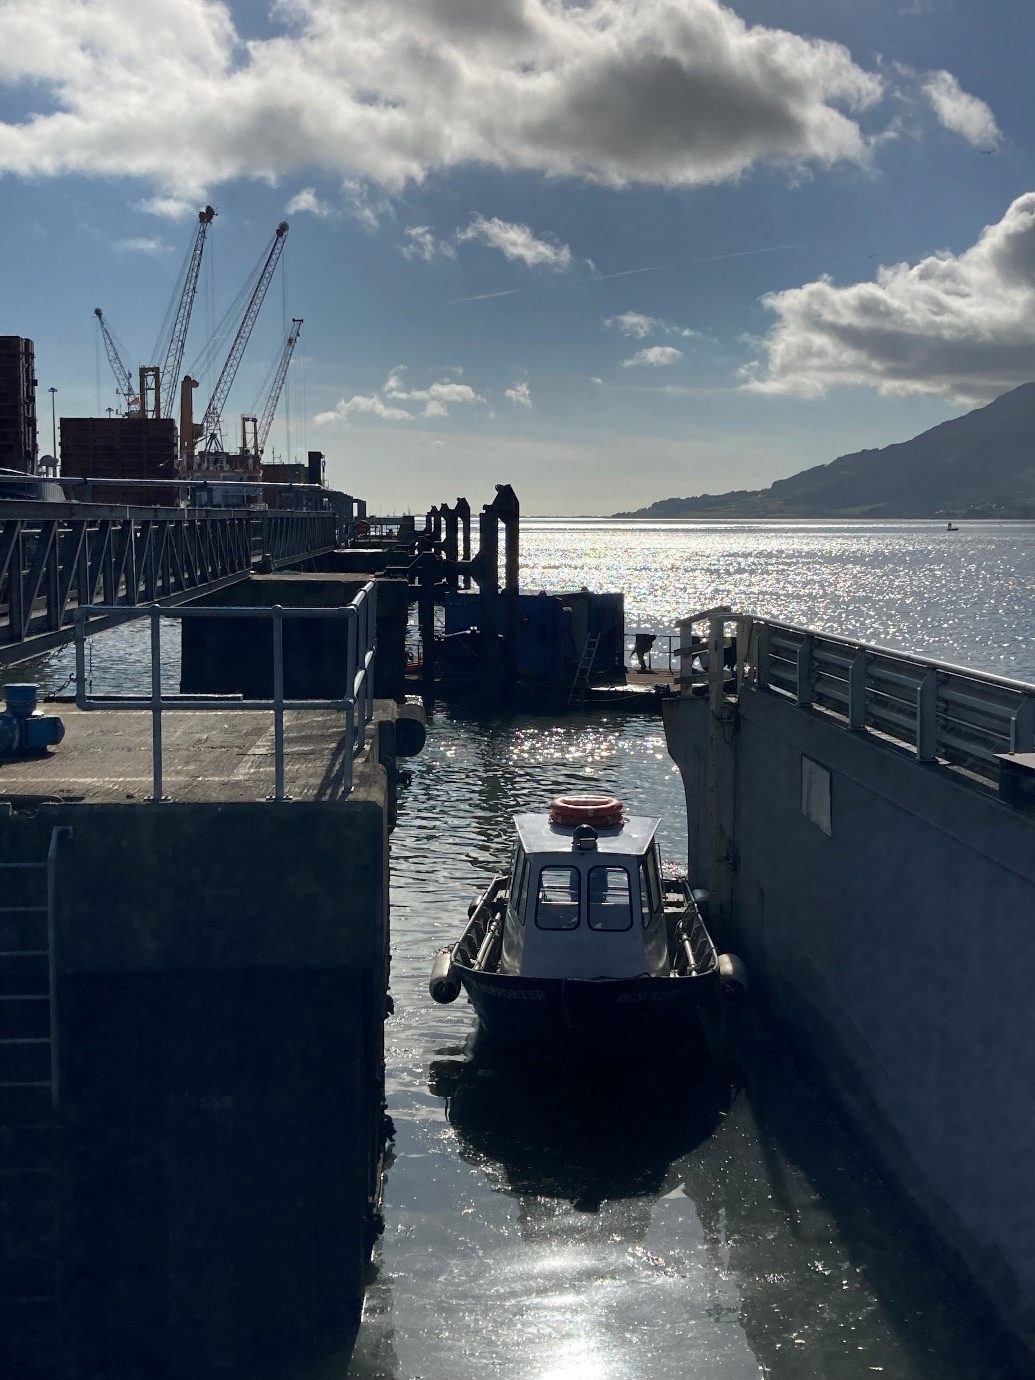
[
  {"x": 444, "y": 983},
  {"x": 701, "y": 899},
  {"x": 733, "y": 975},
  {"x": 411, "y": 730}
]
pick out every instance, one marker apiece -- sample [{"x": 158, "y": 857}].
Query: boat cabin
[{"x": 585, "y": 900}]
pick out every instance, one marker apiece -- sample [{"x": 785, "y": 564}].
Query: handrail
[
  {"x": 946, "y": 713},
  {"x": 357, "y": 704}
]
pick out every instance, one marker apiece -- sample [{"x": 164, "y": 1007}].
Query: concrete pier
[
  {"x": 882, "y": 895},
  {"x": 216, "y": 1123}
]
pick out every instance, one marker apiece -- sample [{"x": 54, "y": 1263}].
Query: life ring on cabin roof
[{"x": 572, "y": 810}]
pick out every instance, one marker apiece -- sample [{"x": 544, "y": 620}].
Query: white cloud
[
  {"x": 308, "y": 203},
  {"x": 370, "y": 403},
  {"x": 966, "y": 115},
  {"x": 142, "y": 244},
  {"x": 656, "y": 355},
  {"x": 671, "y": 92},
  {"x": 955, "y": 325},
  {"x": 520, "y": 395},
  {"x": 421, "y": 242},
  {"x": 437, "y": 398},
  {"x": 637, "y": 325},
  {"x": 518, "y": 243},
  {"x": 169, "y": 207},
  {"x": 363, "y": 205}
]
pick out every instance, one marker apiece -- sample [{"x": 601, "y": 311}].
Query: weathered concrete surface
[
  {"x": 221, "y": 994},
  {"x": 899, "y": 948},
  {"x": 227, "y": 656}
]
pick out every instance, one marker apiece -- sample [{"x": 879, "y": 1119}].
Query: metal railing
[
  {"x": 943, "y": 712},
  {"x": 664, "y": 649},
  {"x": 356, "y": 705},
  {"x": 57, "y": 559}
]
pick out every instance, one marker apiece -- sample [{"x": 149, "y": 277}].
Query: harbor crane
[
  {"x": 173, "y": 359},
  {"x": 123, "y": 378},
  {"x": 158, "y": 383},
  {"x": 261, "y": 425},
  {"x": 211, "y": 422}
]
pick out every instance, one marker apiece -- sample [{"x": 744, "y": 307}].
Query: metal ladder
[
  {"x": 580, "y": 684},
  {"x": 29, "y": 1164}
]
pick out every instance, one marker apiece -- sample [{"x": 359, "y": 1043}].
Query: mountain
[{"x": 978, "y": 465}]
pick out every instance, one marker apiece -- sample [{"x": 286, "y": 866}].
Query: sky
[{"x": 607, "y": 252}]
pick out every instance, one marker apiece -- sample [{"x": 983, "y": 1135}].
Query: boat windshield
[
  {"x": 609, "y": 899},
  {"x": 557, "y": 904}
]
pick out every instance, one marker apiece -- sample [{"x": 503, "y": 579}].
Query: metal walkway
[{"x": 56, "y": 558}]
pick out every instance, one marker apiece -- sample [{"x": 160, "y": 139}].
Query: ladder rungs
[
  {"x": 23, "y": 867},
  {"x": 24, "y": 996},
  {"x": 36, "y": 1083},
  {"x": 26, "y": 1040},
  {"x": 24, "y": 953},
  {"x": 23, "y": 910}
]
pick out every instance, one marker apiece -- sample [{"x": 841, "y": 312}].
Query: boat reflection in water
[{"x": 585, "y": 1155}]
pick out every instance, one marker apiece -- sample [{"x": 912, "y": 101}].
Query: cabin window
[
  {"x": 646, "y": 904},
  {"x": 522, "y": 889},
  {"x": 518, "y": 879},
  {"x": 610, "y": 899},
  {"x": 557, "y": 904},
  {"x": 653, "y": 861}
]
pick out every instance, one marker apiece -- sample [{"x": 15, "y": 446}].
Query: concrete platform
[{"x": 209, "y": 757}]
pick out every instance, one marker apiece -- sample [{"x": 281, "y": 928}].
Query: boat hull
[{"x": 610, "y": 1015}]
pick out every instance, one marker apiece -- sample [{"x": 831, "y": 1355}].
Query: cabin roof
[{"x": 632, "y": 837}]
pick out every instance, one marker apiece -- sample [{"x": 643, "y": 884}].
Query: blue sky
[{"x": 609, "y": 252}]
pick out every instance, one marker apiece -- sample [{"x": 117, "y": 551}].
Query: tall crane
[
  {"x": 170, "y": 369},
  {"x": 123, "y": 377},
  {"x": 261, "y": 425},
  {"x": 211, "y": 421}
]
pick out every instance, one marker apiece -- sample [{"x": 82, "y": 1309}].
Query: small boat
[
  {"x": 951, "y": 527},
  {"x": 587, "y": 940}
]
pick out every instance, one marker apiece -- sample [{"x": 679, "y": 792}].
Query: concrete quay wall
[
  {"x": 886, "y": 915},
  {"x": 221, "y": 993}
]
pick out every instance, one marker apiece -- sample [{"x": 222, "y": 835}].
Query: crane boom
[
  {"x": 266, "y": 420},
  {"x": 123, "y": 377},
  {"x": 210, "y": 423},
  {"x": 178, "y": 337}
]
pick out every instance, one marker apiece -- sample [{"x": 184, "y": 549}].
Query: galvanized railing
[
  {"x": 664, "y": 649},
  {"x": 356, "y": 705},
  {"x": 943, "y": 712}
]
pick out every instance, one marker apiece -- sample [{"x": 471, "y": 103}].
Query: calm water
[{"x": 660, "y": 1226}]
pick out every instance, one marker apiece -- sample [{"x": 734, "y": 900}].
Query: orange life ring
[{"x": 571, "y": 810}]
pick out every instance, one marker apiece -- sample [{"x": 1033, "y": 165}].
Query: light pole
[{"x": 53, "y": 423}]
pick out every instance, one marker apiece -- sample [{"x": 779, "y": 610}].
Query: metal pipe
[
  {"x": 278, "y": 702},
  {"x": 156, "y": 704}
]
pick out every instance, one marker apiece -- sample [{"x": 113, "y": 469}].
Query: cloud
[
  {"x": 307, "y": 202},
  {"x": 420, "y": 242},
  {"x": 670, "y": 92},
  {"x": 362, "y": 204},
  {"x": 520, "y": 395},
  {"x": 142, "y": 244},
  {"x": 518, "y": 243},
  {"x": 656, "y": 355},
  {"x": 637, "y": 325},
  {"x": 369, "y": 403},
  {"x": 954, "y": 325},
  {"x": 966, "y": 115},
  {"x": 437, "y": 398},
  {"x": 169, "y": 207}
]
